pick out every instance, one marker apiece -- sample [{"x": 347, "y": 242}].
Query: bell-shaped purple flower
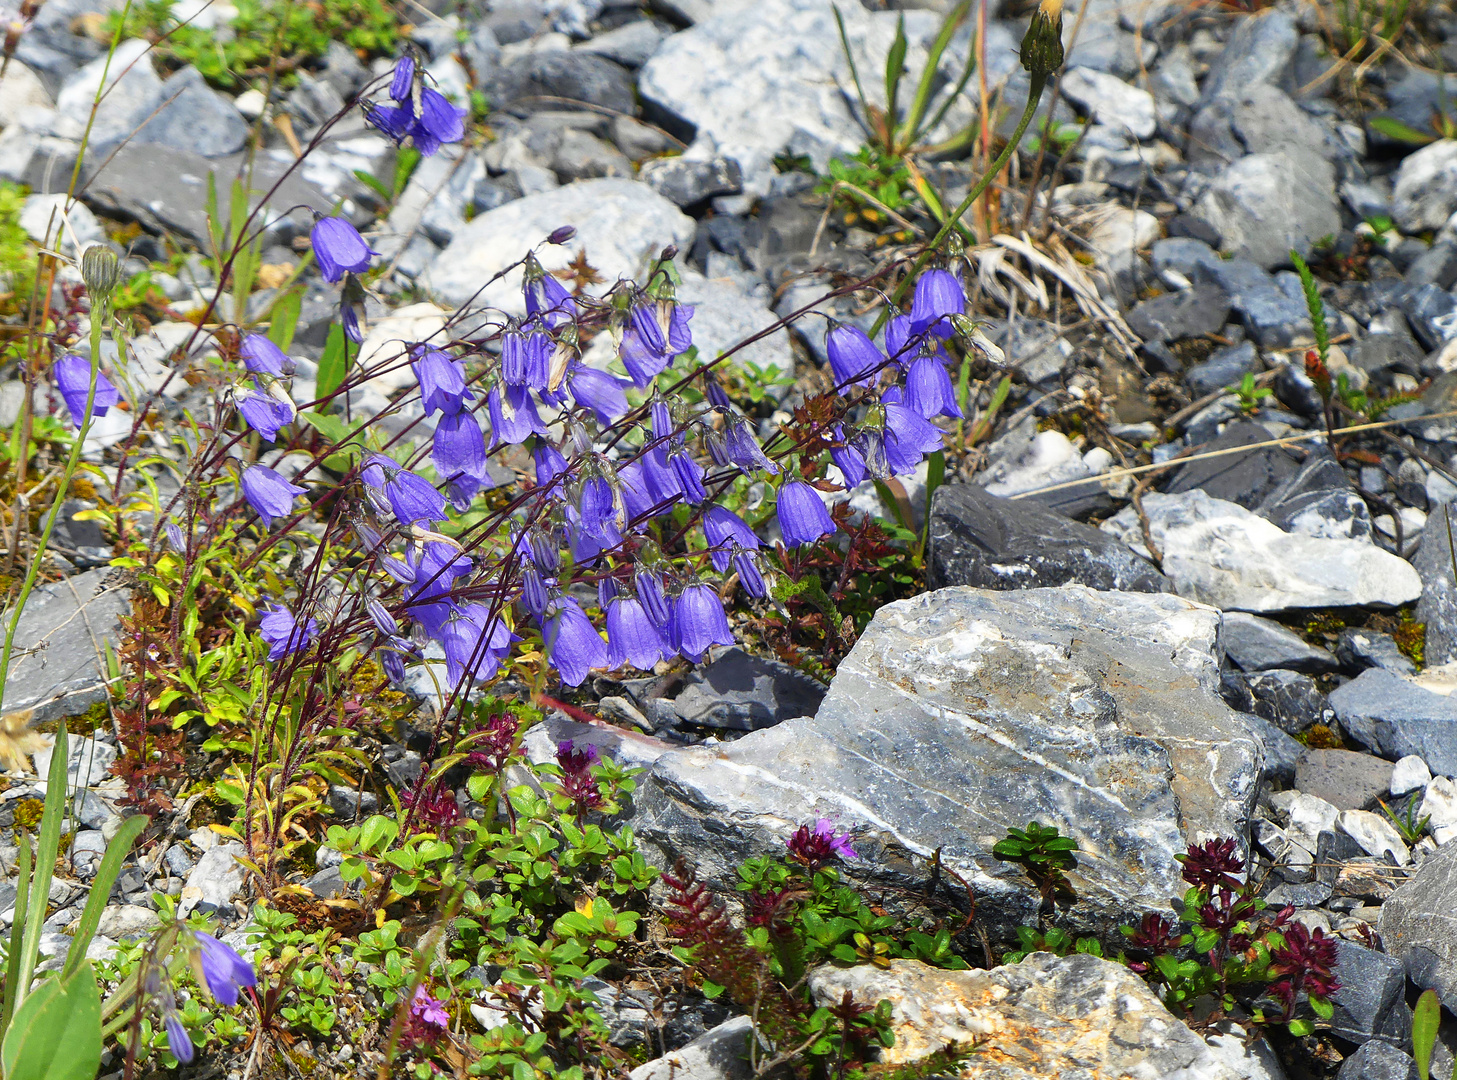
[
  {"x": 339, "y": 249},
  {"x": 546, "y": 297},
  {"x": 909, "y": 437},
  {"x": 284, "y": 634},
  {"x": 262, "y": 357},
  {"x": 220, "y": 969},
  {"x": 572, "y": 643},
  {"x": 847, "y": 459},
  {"x": 439, "y": 122},
  {"x": 458, "y": 452},
  {"x": 803, "y": 518},
  {"x": 929, "y": 390},
  {"x": 533, "y": 591},
  {"x": 598, "y": 511},
  {"x": 442, "y": 382},
  {"x": 413, "y": 498},
  {"x": 513, "y": 416},
  {"x": 649, "y": 588},
  {"x": 474, "y": 643},
  {"x": 73, "y": 379},
  {"x": 698, "y": 621},
  {"x": 403, "y": 81},
  {"x": 433, "y": 573},
  {"x": 938, "y": 296},
  {"x": 637, "y": 498},
  {"x": 270, "y": 495},
  {"x": 645, "y": 350},
  {"x": 525, "y": 358},
  {"x": 263, "y": 412},
  {"x": 394, "y": 121},
  {"x": 746, "y": 563},
  {"x": 854, "y": 359},
  {"x": 689, "y": 475},
  {"x": 178, "y": 1041},
  {"x": 744, "y": 450},
  {"x": 550, "y": 464},
  {"x": 660, "y": 482},
  {"x": 724, "y": 529},
  {"x": 598, "y": 391},
  {"x": 632, "y": 635}
]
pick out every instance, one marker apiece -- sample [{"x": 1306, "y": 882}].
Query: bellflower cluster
[
  {"x": 215, "y": 965},
  {"x": 420, "y": 113}
]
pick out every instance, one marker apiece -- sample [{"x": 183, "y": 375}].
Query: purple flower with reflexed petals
[
  {"x": 220, "y": 969},
  {"x": 572, "y": 643},
  {"x": 263, "y": 412},
  {"x": 546, "y": 297},
  {"x": 73, "y": 379},
  {"x": 938, "y": 296},
  {"x": 632, "y": 635},
  {"x": 854, "y": 359},
  {"x": 442, "y": 383},
  {"x": 803, "y": 518},
  {"x": 598, "y": 391},
  {"x": 262, "y": 357},
  {"x": 929, "y": 390},
  {"x": 270, "y": 495},
  {"x": 339, "y": 249},
  {"x": 283, "y": 633},
  {"x": 724, "y": 529},
  {"x": 474, "y": 643},
  {"x": 698, "y": 621},
  {"x": 439, "y": 122},
  {"x": 814, "y": 847}
]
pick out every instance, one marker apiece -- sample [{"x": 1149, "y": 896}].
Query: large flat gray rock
[
  {"x": 962, "y": 712},
  {"x": 1393, "y": 716}
]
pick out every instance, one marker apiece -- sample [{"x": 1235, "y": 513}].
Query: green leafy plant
[
  {"x": 1045, "y": 854},
  {"x": 1407, "y": 824},
  {"x": 1251, "y": 397}
]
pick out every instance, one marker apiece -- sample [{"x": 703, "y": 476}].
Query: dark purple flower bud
[
  {"x": 175, "y": 538},
  {"x": 803, "y": 518},
  {"x": 848, "y": 460},
  {"x": 562, "y": 234},
  {"x": 744, "y": 450},
  {"x": 815, "y": 847},
  {"x": 650, "y": 591},
  {"x": 550, "y": 463},
  {"x": 572, "y": 643},
  {"x": 339, "y": 249},
  {"x": 439, "y": 122},
  {"x": 599, "y": 392},
  {"x": 525, "y": 359},
  {"x": 854, "y": 359},
  {"x": 220, "y": 969},
  {"x": 662, "y": 418},
  {"x": 546, "y": 297},
  {"x": 458, "y": 449},
  {"x": 598, "y": 512},
  {"x": 474, "y": 643},
  {"x": 384, "y": 622},
  {"x": 750, "y": 578},
  {"x": 632, "y": 635},
  {"x": 929, "y": 390},
  {"x": 263, "y": 412},
  {"x": 724, "y": 529},
  {"x": 698, "y": 622},
  {"x": 576, "y": 765},
  {"x": 283, "y": 634},
  {"x": 938, "y": 296},
  {"x": 533, "y": 592},
  {"x": 73, "y": 379},
  {"x": 513, "y": 416},
  {"x": 413, "y": 498},
  {"x": 545, "y": 551},
  {"x": 270, "y": 495},
  {"x": 351, "y": 317},
  {"x": 717, "y": 447},
  {"x": 442, "y": 382},
  {"x": 401, "y": 86},
  {"x": 262, "y": 357},
  {"x": 715, "y": 393},
  {"x": 178, "y": 1041},
  {"x": 689, "y": 475}
]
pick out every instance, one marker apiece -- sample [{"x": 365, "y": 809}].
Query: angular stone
[
  {"x": 216, "y": 879},
  {"x": 88, "y": 762},
  {"x": 1432, "y": 312},
  {"x": 622, "y": 225},
  {"x": 1394, "y": 717},
  {"x": 1219, "y": 553},
  {"x": 1378, "y": 1060},
  {"x": 1425, "y": 195},
  {"x": 739, "y": 692},
  {"x": 1257, "y": 644},
  {"x": 1375, "y": 833},
  {"x": 196, "y": 118},
  {"x": 1174, "y": 316},
  {"x": 720, "y": 1054},
  {"x": 1281, "y": 751},
  {"x": 1439, "y": 807},
  {"x": 981, "y": 540},
  {"x": 1345, "y": 779},
  {"x": 1437, "y": 607},
  {"x": 133, "y": 91},
  {"x": 1263, "y": 205},
  {"x": 1275, "y": 317},
  {"x": 1362, "y": 649},
  {"x": 56, "y": 668},
  {"x": 1246, "y": 479},
  {"x": 1111, "y": 101},
  {"x": 726, "y": 313},
  {"x": 1048, "y": 1016},
  {"x": 1289, "y": 700},
  {"x": 1371, "y": 1002},
  {"x": 550, "y": 79},
  {"x": 1417, "y": 926},
  {"x": 961, "y": 712},
  {"x": 689, "y": 183},
  {"x": 1318, "y": 501},
  {"x": 1259, "y": 51},
  {"x": 1409, "y": 774},
  {"x": 1225, "y": 368}
]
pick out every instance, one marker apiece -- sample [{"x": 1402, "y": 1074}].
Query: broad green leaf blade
[
  {"x": 56, "y": 1034},
  {"x": 333, "y": 364},
  {"x": 106, "y": 876},
  {"x": 1425, "y": 1020}
]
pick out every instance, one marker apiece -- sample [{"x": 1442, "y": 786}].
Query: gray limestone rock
[
  {"x": 1345, "y": 779},
  {"x": 1274, "y": 316},
  {"x": 689, "y": 183},
  {"x": 133, "y": 91},
  {"x": 719, "y": 1054},
  {"x": 1438, "y": 605},
  {"x": 1287, "y": 699},
  {"x": 1371, "y": 1002},
  {"x": 1263, "y": 205},
  {"x": 60, "y": 642},
  {"x": 992, "y": 543},
  {"x": 1193, "y": 312},
  {"x": 1245, "y": 478},
  {"x": 1426, "y": 187},
  {"x": 961, "y": 712},
  {"x": 556, "y": 79},
  {"x": 1378, "y": 1060},
  {"x": 196, "y": 118},
  {"x": 1259, "y": 51},
  {"x": 1394, "y": 717},
  {"x": 739, "y": 692},
  {"x": 1256, "y": 644},
  {"x": 1362, "y": 649},
  {"x": 1417, "y": 927},
  {"x": 1225, "y": 367},
  {"x": 216, "y": 879}
]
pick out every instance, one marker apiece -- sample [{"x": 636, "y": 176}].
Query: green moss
[
  {"x": 1320, "y": 737},
  {"x": 28, "y": 812},
  {"x": 1411, "y": 639}
]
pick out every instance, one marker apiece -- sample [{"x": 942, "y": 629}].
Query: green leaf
[
  {"x": 895, "y": 68},
  {"x": 334, "y": 363},
  {"x": 1322, "y": 1007},
  {"x": 47, "y": 847},
  {"x": 284, "y": 318},
  {"x": 1426, "y": 1018},
  {"x": 56, "y": 1033},
  {"x": 106, "y": 876},
  {"x": 1300, "y": 1028},
  {"x": 1393, "y": 128}
]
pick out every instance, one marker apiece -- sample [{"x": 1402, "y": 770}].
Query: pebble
[{"x": 1408, "y": 774}]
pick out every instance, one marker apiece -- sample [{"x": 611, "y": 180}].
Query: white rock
[
  {"x": 1265, "y": 204},
  {"x": 1440, "y": 805},
  {"x": 1310, "y": 815},
  {"x": 717, "y": 1054},
  {"x": 1050, "y": 459},
  {"x": 133, "y": 92},
  {"x": 1408, "y": 774},
  {"x": 126, "y": 920},
  {"x": 389, "y": 338},
  {"x": 20, "y": 89},
  {"x": 215, "y": 880},
  {"x": 1118, "y": 234},
  {"x": 1426, "y": 187},
  {"x": 88, "y": 762},
  {"x": 1219, "y": 553},
  {"x": 622, "y": 226},
  {"x": 45, "y": 218},
  {"x": 1374, "y": 833},
  {"x": 1110, "y": 100},
  {"x": 725, "y": 314}
]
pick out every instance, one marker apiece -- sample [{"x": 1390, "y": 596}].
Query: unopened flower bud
[
  {"x": 99, "y": 269},
  {"x": 1042, "y": 44},
  {"x": 562, "y": 234}
]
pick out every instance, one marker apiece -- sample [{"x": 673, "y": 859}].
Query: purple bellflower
[
  {"x": 458, "y": 452},
  {"x": 178, "y": 1041},
  {"x": 437, "y": 122},
  {"x": 746, "y": 563},
  {"x": 854, "y": 359},
  {"x": 73, "y": 379},
  {"x": 284, "y": 634},
  {"x": 572, "y": 642},
  {"x": 550, "y": 464},
  {"x": 402, "y": 83},
  {"x": 598, "y": 391},
  {"x": 803, "y": 518},
  {"x": 847, "y": 459},
  {"x": 513, "y": 416},
  {"x": 546, "y": 297},
  {"x": 339, "y": 249},
  {"x": 525, "y": 358},
  {"x": 909, "y": 437},
  {"x": 650, "y": 591},
  {"x": 270, "y": 495},
  {"x": 262, "y": 357},
  {"x": 442, "y": 383},
  {"x": 474, "y": 643},
  {"x": 220, "y": 969},
  {"x": 724, "y": 529},
  {"x": 698, "y": 621},
  {"x": 938, "y": 296},
  {"x": 929, "y": 390},
  {"x": 262, "y": 411},
  {"x": 632, "y": 635},
  {"x": 689, "y": 475},
  {"x": 413, "y": 498},
  {"x": 744, "y": 450}
]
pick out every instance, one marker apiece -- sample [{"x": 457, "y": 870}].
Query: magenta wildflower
[{"x": 814, "y": 847}]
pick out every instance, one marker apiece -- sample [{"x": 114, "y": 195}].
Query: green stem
[{"x": 1034, "y": 95}]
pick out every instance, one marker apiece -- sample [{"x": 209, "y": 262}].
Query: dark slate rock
[
  {"x": 1193, "y": 258},
  {"x": 1173, "y": 316},
  {"x": 82, "y": 542},
  {"x": 690, "y": 183},
  {"x": 1272, "y": 315},
  {"x": 1381, "y": 352},
  {"x": 1415, "y": 99},
  {"x": 1417, "y": 925},
  {"x": 351, "y": 804},
  {"x": 1438, "y": 604},
  {"x": 59, "y": 640},
  {"x": 1394, "y": 717},
  {"x": 1224, "y": 368},
  {"x": 1256, "y": 644},
  {"x": 1287, "y": 699},
  {"x": 1378, "y": 1060},
  {"x": 1345, "y": 779},
  {"x": 1362, "y": 649},
  {"x": 327, "y": 884},
  {"x": 1294, "y": 389},
  {"x": 1258, "y": 51},
  {"x": 1432, "y": 312},
  {"x": 1236, "y": 692},
  {"x": 540, "y": 81},
  {"x": 1246, "y": 479},
  {"x": 993, "y": 543},
  {"x": 1332, "y": 850},
  {"x": 739, "y": 692},
  {"x": 1300, "y": 894},
  {"x": 196, "y": 118},
  {"x": 1371, "y": 1002},
  {"x": 1435, "y": 266},
  {"x": 1318, "y": 500},
  {"x": 1281, "y": 751}
]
